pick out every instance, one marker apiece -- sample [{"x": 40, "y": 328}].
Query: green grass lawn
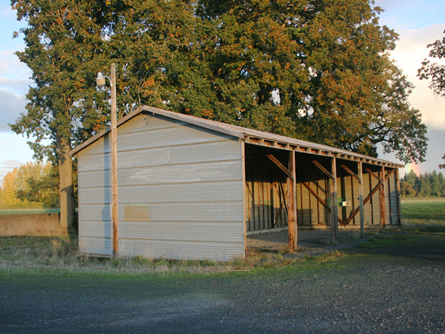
[{"x": 424, "y": 208}]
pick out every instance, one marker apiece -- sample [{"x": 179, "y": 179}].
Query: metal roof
[{"x": 249, "y": 136}]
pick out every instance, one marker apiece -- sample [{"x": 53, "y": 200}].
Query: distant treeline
[{"x": 424, "y": 185}]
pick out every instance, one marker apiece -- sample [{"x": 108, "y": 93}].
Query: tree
[
  {"x": 67, "y": 43},
  {"x": 61, "y": 44},
  {"x": 42, "y": 189},
  {"x": 316, "y": 70},
  {"x": 434, "y": 71},
  {"x": 407, "y": 190},
  {"x": 16, "y": 182}
]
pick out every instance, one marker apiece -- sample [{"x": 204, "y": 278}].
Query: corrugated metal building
[{"x": 191, "y": 188}]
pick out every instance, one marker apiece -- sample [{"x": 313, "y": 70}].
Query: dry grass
[{"x": 34, "y": 255}]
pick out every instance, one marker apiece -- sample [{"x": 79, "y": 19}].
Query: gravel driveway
[{"x": 398, "y": 288}]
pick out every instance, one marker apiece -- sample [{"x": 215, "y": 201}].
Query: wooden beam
[
  {"x": 292, "y": 205},
  {"x": 281, "y": 166},
  {"x": 334, "y": 211},
  {"x": 114, "y": 197},
  {"x": 316, "y": 163},
  {"x": 399, "y": 209},
  {"x": 361, "y": 204},
  {"x": 245, "y": 194},
  {"x": 351, "y": 173},
  {"x": 375, "y": 176},
  {"x": 382, "y": 202}
]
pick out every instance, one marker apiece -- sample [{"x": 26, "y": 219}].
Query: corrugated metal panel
[
  {"x": 185, "y": 173},
  {"x": 187, "y": 250},
  {"x": 174, "y": 155},
  {"x": 95, "y": 246},
  {"x": 171, "y": 136},
  {"x": 185, "y": 231},
  {"x": 227, "y": 129},
  {"x": 165, "y": 193},
  {"x": 186, "y": 212},
  {"x": 191, "y": 179}
]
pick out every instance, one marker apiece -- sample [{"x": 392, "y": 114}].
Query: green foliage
[
  {"x": 424, "y": 185},
  {"x": 32, "y": 185},
  {"x": 316, "y": 70},
  {"x": 43, "y": 190}
]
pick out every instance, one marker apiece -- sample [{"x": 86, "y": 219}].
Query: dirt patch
[
  {"x": 39, "y": 224},
  {"x": 310, "y": 242}
]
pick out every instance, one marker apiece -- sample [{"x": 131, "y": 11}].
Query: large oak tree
[{"x": 312, "y": 69}]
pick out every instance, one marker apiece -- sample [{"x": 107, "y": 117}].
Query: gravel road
[{"x": 399, "y": 288}]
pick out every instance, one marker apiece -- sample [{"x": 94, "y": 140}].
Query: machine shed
[{"x": 191, "y": 188}]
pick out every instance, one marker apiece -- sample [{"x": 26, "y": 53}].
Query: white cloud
[
  {"x": 14, "y": 75},
  {"x": 411, "y": 50},
  {"x": 11, "y": 163},
  {"x": 10, "y": 109}
]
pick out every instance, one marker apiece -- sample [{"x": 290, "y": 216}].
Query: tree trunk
[{"x": 66, "y": 191}]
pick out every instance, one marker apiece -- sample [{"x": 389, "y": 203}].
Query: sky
[{"x": 417, "y": 22}]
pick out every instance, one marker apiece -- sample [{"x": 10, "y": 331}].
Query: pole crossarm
[
  {"x": 281, "y": 166},
  {"x": 351, "y": 173},
  {"x": 324, "y": 170}
]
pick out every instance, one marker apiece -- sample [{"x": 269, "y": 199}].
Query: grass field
[
  {"x": 30, "y": 255},
  {"x": 423, "y": 213}
]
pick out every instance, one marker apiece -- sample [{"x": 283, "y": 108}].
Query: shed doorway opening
[{"x": 266, "y": 189}]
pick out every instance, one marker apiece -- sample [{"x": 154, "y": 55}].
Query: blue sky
[{"x": 418, "y": 23}]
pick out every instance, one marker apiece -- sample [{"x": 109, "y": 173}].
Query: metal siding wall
[{"x": 191, "y": 179}]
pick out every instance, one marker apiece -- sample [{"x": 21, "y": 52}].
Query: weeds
[{"x": 33, "y": 255}]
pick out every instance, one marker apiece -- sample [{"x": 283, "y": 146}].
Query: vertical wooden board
[
  {"x": 305, "y": 202},
  {"x": 272, "y": 204},
  {"x": 258, "y": 201},
  {"x": 299, "y": 208},
  {"x": 375, "y": 203},
  {"x": 367, "y": 209},
  {"x": 252, "y": 202},
  {"x": 283, "y": 191},
  {"x": 267, "y": 192},
  {"x": 313, "y": 200},
  {"x": 348, "y": 197},
  {"x": 355, "y": 202},
  {"x": 261, "y": 199},
  {"x": 322, "y": 192},
  {"x": 279, "y": 203}
]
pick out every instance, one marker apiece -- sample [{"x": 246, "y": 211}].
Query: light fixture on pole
[{"x": 100, "y": 80}]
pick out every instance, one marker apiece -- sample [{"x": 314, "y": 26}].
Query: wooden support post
[
  {"x": 382, "y": 199},
  {"x": 114, "y": 198},
  {"x": 334, "y": 210},
  {"x": 292, "y": 204},
  {"x": 360, "y": 194},
  {"x": 245, "y": 194},
  {"x": 399, "y": 209}
]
